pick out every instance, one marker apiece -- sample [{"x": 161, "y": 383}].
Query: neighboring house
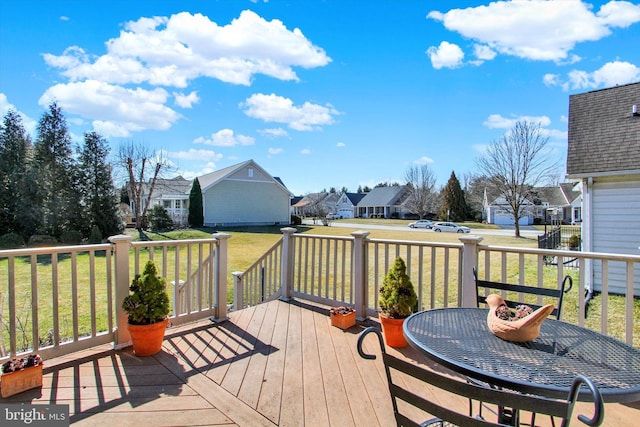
[
  {"x": 244, "y": 194},
  {"x": 316, "y": 204},
  {"x": 544, "y": 205},
  {"x": 171, "y": 193},
  {"x": 499, "y": 212},
  {"x": 347, "y": 203},
  {"x": 604, "y": 157},
  {"x": 383, "y": 202}
]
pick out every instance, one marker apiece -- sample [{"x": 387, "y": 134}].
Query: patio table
[{"x": 460, "y": 339}]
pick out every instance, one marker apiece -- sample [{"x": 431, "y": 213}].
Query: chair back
[
  {"x": 508, "y": 292},
  {"x": 411, "y": 406}
]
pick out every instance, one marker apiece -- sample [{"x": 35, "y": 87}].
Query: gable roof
[
  {"x": 213, "y": 178},
  {"x": 168, "y": 186},
  {"x": 355, "y": 197},
  {"x": 383, "y": 196},
  {"x": 604, "y": 137}
]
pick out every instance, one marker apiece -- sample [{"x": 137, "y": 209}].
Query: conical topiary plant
[
  {"x": 148, "y": 301},
  {"x": 397, "y": 296}
]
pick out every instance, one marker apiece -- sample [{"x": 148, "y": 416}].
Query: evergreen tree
[
  {"x": 196, "y": 215},
  {"x": 100, "y": 200},
  {"x": 454, "y": 207},
  {"x": 56, "y": 175},
  {"x": 16, "y": 204}
]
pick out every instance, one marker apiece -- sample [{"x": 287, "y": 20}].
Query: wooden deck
[{"x": 275, "y": 364}]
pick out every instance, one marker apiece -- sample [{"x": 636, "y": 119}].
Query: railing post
[
  {"x": 121, "y": 245},
  {"x": 359, "y": 273},
  {"x": 286, "y": 263},
  {"x": 469, "y": 261},
  {"x": 238, "y": 294},
  {"x": 220, "y": 272}
]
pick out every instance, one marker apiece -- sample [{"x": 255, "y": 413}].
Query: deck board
[{"x": 276, "y": 364}]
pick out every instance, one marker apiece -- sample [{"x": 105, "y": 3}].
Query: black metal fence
[{"x": 560, "y": 236}]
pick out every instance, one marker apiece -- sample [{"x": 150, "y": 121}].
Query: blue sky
[{"x": 322, "y": 94}]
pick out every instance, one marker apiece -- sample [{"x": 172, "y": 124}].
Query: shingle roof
[
  {"x": 382, "y": 196},
  {"x": 604, "y": 137}
]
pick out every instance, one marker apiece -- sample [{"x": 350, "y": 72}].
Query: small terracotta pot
[
  {"x": 147, "y": 339},
  {"x": 392, "y": 331}
]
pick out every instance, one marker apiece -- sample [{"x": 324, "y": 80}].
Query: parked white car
[
  {"x": 421, "y": 223},
  {"x": 451, "y": 227}
]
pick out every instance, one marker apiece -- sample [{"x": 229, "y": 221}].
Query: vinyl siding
[
  {"x": 246, "y": 201},
  {"x": 616, "y": 229}
]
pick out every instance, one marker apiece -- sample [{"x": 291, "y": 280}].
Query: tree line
[{"x": 51, "y": 190}]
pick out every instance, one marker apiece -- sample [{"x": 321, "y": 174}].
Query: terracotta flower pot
[
  {"x": 25, "y": 379},
  {"x": 392, "y": 331},
  {"x": 147, "y": 339}
]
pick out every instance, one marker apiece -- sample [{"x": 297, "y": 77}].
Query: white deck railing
[
  {"x": 60, "y": 300},
  {"x": 337, "y": 270},
  {"x": 64, "y": 299}
]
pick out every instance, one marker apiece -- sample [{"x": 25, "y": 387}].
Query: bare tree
[
  {"x": 143, "y": 167},
  {"x": 421, "y": 183},
  {"x": 317, "y": 207},
  {"x": 515, "y": 163}
]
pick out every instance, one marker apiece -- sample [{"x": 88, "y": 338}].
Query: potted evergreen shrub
[
  {"x": 398, "y": 301},
  {"x": 147, "y": 306},
  {"x": 574, "y": 242}
]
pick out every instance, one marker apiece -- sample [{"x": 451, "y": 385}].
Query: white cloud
[
  {"x": 305, "y": 151},
  {"x": 186, "y": 101},
  {"x": 275, "y": 151},
  {"x": 193, "y": 154},
  {"x": 610, "y": 74},
  {"x": 551, "y": 79},
  {"x": 537, "y": 30},
  {"x": 497, "y": 121},
  {"x": 484, "y": 52},
  {"x": 115, "y": 110},
  {"x": 28, "y": 123},
  {"x": 273, "y": 133},
  {"x": 277, "y": 109},
  {"x": 173, "y": 50},
  {"x": 225, "y": 138},
  {"x": 447, "y": 55},
  {"x": 424, "y": 160},
  {"x": 341, "y": 145}
]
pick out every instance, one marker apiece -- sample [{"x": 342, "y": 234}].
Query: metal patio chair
[{"x": 408, "y": 403}]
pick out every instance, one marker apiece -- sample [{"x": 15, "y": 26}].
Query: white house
[
  {"x": 244, "y": 194},
  {"x": 383, "y": 202},
  {"x": 347, "y": 203},
  {"x": 173, "y": 194},
  {"x": 603, "y": 155}
]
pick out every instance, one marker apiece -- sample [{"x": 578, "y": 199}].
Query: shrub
[
  {"x": 71, "y": 237},
  {"x": 96, "y": 236},
  {"x": 296, "y": 220},
  {"x": 42, "y": 240},
  {"x": 11, "y": 241},
  {"x": 398, "y": 298},
  {"x": 148, "y": 301},
  {"x": 159, "y": 218},
  {"x": 574, "y": 241}
]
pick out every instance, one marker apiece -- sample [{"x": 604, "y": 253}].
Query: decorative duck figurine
[{"x": 517, "y": 330}]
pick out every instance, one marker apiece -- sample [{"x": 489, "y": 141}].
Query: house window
[
  {"x": 250, "y": 171},
  {"x": 166, "y": 204}
]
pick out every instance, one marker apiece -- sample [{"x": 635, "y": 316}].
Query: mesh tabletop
[{"x": 460, "y": 339}]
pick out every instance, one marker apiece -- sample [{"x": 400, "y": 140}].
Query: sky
[{"x": 322, "y": 94}]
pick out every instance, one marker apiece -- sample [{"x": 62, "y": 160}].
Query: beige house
[{"x": 244, "y": 194}]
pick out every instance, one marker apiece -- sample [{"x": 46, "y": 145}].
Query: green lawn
[{"x": 246, "y": 245}]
